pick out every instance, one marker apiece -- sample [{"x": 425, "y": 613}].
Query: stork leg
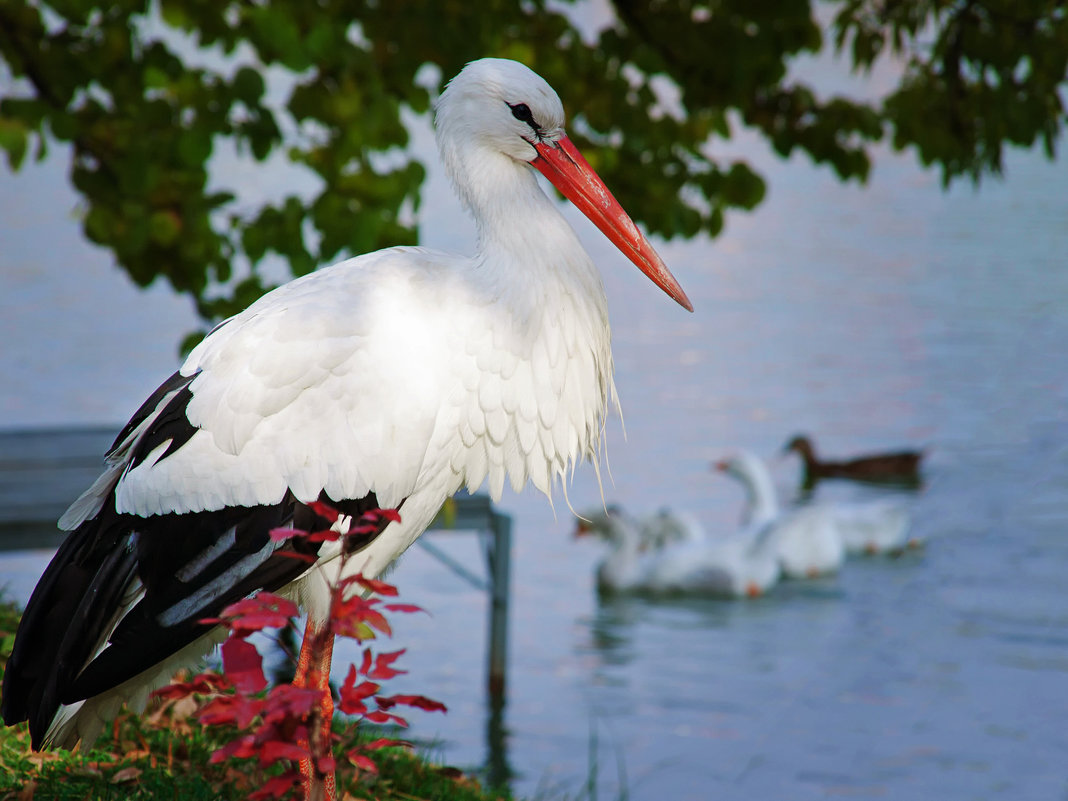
[{"x": 313, "y": 671}]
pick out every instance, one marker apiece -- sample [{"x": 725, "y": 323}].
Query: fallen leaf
[
  {"x": 38, "y": 758},
  {"x": 126, "y": 775}
]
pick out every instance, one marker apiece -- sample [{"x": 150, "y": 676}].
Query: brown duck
[{"x": 900, "y": 467}]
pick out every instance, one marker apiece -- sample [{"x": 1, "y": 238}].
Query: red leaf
[
  {"x": 382, "y": 669},
  {"x": 237, "y": 711},
  {"x": 350, "y": 702},
  {"x": 303, "y": 557},
  {"x": 263, "y": 610},
  {"x": 348, "y": 614},
  {"x": 378, "y": 716},
  {"x": 325, "y": 511},
  {"x": 391, "y": 515},
  {"x": 378, "y": 620},
  {"x": 362, "y": 762},
  {"x": 365, "y": 666},
  {"x": 374, "y": 585},
  {"x": 350, "y": 679},
  {"x": 348, "y": 581},
  {"x": 352, "y": 706},
  {"x": 364, "y": 690},
  {"x": 275, "y": 750},
  {"x": 287, "y": 701},
  {"x": 352, "y": 696},
  {"x": 241, "y": 748},
  {"x": 282, "y": 534},
  {"x": 326, "y": 535},
  {"x": 403, "y": 608},
  {"x": 243, "y": 665},
  {"x": 418, "y": 701},
  {"x": 276, "y": 786},
  {"x": 326, "y": 764},
  {"x": 352, "y": 629}
]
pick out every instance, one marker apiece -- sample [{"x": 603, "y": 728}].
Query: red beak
[{"x": 568, "y": 171}]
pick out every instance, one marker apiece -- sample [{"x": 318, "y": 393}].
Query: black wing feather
[
  {"x": 98, "y": 566},
  {"x": 38, "y": 663},
  {"x": 175, "y": 382},
  {"x": 171, "y": 424}
]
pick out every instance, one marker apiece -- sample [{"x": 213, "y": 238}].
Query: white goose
[
  {"x": 666, "y": 527},
  {"x": 741, "y": 566},
  {"x": 873, "y": 527},
  {"x": 806, "y": 540}
]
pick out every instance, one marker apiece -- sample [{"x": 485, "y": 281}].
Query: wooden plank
[{"x": 42, "y": 471}]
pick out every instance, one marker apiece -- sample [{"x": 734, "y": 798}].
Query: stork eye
[{"x": 521, "y": 111}]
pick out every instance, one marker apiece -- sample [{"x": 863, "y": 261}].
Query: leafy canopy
[{"x": 144, "y": 95}]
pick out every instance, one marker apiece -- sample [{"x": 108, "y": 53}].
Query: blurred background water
[{"x": 876, "y": 317}]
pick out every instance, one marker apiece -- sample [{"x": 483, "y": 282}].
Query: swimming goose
[
  {"x": 744, "y": 565},
  {"x": 806, "y": 540}
]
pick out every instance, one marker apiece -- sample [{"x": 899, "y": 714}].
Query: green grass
[{"x": 164, "y": 755}]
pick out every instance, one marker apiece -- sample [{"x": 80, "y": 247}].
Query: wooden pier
[{"x": 42, "y": 471}]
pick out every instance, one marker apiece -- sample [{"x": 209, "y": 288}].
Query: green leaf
[
  {"x": 99, "y": 225},
  {"x": 164, "y": 227},
  {"x": 156, "y": 78},
  {"x": 278, "y": 38},
  {"x": 13, "y": 140},
  {"x": 248, "y": 86},
  {"x": 194, "y": 147},
  {"x": 647, "y": 98},
  {"x": 743, "y": 187}
]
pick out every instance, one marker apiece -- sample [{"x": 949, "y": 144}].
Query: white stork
[{"x": 389, "y": 380}]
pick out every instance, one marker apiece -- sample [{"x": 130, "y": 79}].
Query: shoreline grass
[{"x": 164, "y": 755}]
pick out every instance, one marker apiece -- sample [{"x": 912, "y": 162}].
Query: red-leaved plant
[{"x": 284, "y": 724}]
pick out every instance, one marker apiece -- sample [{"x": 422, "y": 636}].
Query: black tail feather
[{"x": 77, "y": 605}]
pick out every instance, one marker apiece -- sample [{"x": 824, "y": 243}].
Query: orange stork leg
[{"x": 313, "y": 671}]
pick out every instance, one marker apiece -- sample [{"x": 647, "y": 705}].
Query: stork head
[
  {"x": 506, "y": 108},
  {"x": 502, "y": 105}
]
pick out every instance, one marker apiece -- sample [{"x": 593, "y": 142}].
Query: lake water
[{"x": 880, "y": 317}]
